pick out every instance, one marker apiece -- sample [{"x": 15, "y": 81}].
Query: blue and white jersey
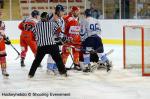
[
  {"x": 90, "y": 27},
  {"x": 60, "y": 21}
]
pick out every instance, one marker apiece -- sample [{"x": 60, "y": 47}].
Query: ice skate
[
  {"x": 77, "y": 67},
  {"x": 22, "y": 62},
  {"x": 4, "y": 73},
  {"x": 109, "y": 66},
  {"x": 86, "y": 69},
  {"x": 101, "y": 65}
]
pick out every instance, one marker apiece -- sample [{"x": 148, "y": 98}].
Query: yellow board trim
[
  {"x": 105, "y": 41},
  {"x": 137, "y": 42},
  {"x": 108, "y": 41},
  {"x": 112, "y": 41},
  {"x": 15, "y": 41}
]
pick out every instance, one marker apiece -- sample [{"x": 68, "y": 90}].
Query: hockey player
[
  {"x": 26, "y": 37},
  {"x": 92, "y": 41},
  {"x": 3, "y": 40},
  {"x": 72, "y": 30},
  {"x": 57, "y": 16},
  {"x": 46, "y": 44}
]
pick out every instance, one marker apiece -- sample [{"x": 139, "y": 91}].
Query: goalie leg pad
[
  {"x": 51, "y": 66},
  {"x": 104, "y": 58},
  {"x": 86, "y": 58}
]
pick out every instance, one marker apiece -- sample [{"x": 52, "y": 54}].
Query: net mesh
[{"x": 134, "y": 42}]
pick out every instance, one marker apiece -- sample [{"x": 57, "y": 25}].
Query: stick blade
[{"x": 109, "y": 52}]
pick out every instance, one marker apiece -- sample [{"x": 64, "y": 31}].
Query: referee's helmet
[{"x": 44, "y": 16}]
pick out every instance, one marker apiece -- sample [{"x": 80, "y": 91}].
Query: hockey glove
[
  {"x": 58, "y": 41},
  {"x": 64, "y": 39},
  {"x": 7, "y": 41}
]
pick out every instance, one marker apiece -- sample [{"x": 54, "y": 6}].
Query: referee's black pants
[{"x": 53, "y": 50}]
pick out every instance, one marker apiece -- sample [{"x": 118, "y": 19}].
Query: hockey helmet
[
  {"x": 59, "y": 8},
  {"x": 44, "y": 16},
  {"x": 88, "y": 12},
  {"x": 75, "y": 8},
  {"x": 35, "y": 13}
]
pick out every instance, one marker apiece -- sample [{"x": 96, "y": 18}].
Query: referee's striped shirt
[{"x": 44, "y": 32}]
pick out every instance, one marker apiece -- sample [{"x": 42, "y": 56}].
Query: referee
[{"x": 44, "y": 32}]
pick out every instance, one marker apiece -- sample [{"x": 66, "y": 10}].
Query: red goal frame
[{"x": 142, "y": 48}]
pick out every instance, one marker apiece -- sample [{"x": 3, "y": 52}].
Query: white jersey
[
  {"x": 61, "y": 22},
  {"x": 89, "y": 27},
  {"x": 30, "y": 19}
]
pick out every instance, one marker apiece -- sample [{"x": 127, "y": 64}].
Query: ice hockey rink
[
  {"x": 118, "y": 84},
  {"x": 122, "y": 22}
]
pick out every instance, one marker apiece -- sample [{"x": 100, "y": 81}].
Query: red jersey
[
  {"x": 26, "y": 27},
  {"x": 72, "y": 28},
  {"x": 27, "y": 24}
]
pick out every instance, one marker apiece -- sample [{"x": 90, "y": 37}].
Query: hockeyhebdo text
[{"x": 48, "y": 94}]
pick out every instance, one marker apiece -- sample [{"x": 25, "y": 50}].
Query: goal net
[{"x": 136, "y": 48}]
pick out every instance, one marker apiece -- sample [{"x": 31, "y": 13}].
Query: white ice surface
[{"x": 119, "y": 84}]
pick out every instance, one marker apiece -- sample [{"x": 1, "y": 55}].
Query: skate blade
[{"x": 5, "y": 77}]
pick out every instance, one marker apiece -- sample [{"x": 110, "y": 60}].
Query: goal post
[{"x": 136, "y": 48}]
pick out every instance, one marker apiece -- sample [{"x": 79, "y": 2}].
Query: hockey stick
[
  {"x": 70, "y": 68},
  {"x": 72, "y": 61},
  {"x": 63, "y": 43},
  {"x": 16, "y": 51},
  {"x": 109, "y": 52},
  {"x": 71, "y": 58},
  {"x": 94, "y": 51},
  {"x": 9, "y": 43},
  {"x": 103, "y": 65}
]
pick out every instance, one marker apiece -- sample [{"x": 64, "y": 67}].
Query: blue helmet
[
  {"x": 88, "y": 12},
  {"x": 35, "y": 13},
  {"x": 59, "y": 8}
]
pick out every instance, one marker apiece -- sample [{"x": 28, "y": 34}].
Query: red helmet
[{"x": 75, "y": 8}]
